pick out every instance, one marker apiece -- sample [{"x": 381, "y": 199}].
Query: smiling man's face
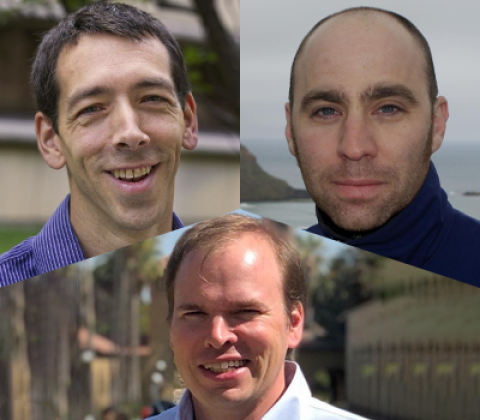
[
  {"x": 361, "y": 126},
  {"x": 120, "y": 132},
  {"x": 229, "y": 328}
]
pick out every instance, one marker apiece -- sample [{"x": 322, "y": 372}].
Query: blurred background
[
  {"x": 208, "y": 181},
  {"x": 381, "y": 339}
]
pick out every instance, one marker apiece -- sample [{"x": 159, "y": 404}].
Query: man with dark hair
[
  {"x": 115, "y": 108},
  {"x": 363, "y": 120},
  {"x": 235, "y": 308}
]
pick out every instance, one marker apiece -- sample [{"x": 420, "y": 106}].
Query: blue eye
[
  {"x": 389, "y": 109},
  {"x": 326, "y": 111}
]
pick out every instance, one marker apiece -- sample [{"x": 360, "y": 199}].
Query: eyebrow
[
  {"x": 381, "y": 91},
  {"x": 158, "y": 82},
  {"x": 82, "y": 94},
  {"x": 372, "y": 93},
  {"x": 149, "y": 82},
  {"x": 333, "y": 96}
]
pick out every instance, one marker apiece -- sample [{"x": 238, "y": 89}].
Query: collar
[
  {"x": 291, "y": 403},
  {"x": 413, "y": 235},
  {"x": 288, "y": 407},
  {"x": 176, "y": 222},
  {"x": 185, "y": 407},
  {"x": 56, "y": 245}
]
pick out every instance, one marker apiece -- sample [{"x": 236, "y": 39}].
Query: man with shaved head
[{"x": 363, "y": 120}]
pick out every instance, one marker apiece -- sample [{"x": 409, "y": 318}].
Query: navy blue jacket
[{"x": 429, "y": 233}]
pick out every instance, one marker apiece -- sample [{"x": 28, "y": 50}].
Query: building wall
[
  {"x": 207, "y": 185},
  {"x": 417, "y": 357},
  {"x": 30, "y": 190}
]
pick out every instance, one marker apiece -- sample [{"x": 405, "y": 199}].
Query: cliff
[{"x": 257, "y": 185}]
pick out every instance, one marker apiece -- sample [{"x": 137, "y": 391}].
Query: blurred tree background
[{"x": 93, "y": 335}]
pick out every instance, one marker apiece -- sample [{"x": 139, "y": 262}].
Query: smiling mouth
[
  {"x": 226, "y": 366},
  {"x": 132, "y": 175}
]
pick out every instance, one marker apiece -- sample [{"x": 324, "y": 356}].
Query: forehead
[
  {"x": 105, "y": 58},
  {"x": 245, "y": 269},
  {"x": 354, "y": 51}
]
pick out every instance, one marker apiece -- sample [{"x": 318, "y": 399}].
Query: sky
[{"x": 271, "y": 31}]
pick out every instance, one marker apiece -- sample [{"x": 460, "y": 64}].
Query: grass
[{"x": 13, "y": 235}]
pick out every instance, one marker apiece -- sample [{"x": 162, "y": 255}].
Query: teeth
[
  {"x": 226, "y": 366},
  {"x": 131, "y": 173}
]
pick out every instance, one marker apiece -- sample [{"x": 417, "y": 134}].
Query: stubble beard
[{"x": 365, "y": 215}]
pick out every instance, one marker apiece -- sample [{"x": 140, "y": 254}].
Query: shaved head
[{"x": 371, "y": 14}]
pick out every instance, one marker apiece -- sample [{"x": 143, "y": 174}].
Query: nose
[
  {"x": 219, "y": 334},
  {"x": 127, "y": 133},
  {"x": 357, "y": 140}
]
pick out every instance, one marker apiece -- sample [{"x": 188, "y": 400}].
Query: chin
[
  {"x": 360, "y": 221},
  {"x": 138, "y": 222},
  {"x": 233, "y": 396}
]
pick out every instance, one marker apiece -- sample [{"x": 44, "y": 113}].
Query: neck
[
  {"x": 251, "y": 410},
  {"x": 232, "y": 413},
  {"x": 98, "y": 235},
  {"x": 342, "y": 233}
]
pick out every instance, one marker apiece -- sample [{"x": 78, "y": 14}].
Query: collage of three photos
[{"x": 216, "y": 209}]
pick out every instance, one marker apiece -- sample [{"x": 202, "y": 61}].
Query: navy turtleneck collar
[{"x": 413, "y": 235}]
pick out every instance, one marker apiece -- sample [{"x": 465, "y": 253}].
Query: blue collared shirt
[
  {"x": 296, "y": 403},
  {"x": 55, "y": 246}
]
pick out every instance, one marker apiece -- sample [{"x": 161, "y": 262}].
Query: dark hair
[
  {"x": 100, "y": 18},
  {"x": 409, "y": 26},
  {"x": 217, "y": 233}
]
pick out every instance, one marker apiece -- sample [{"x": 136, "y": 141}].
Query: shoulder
[
  {"x": 166, "y": 415},
  {"x": 465, "y": 222},
  {"x": 18, "y": 263},
  {"x": 324, "y": 411},
  {"x": 457, "y": 255}
]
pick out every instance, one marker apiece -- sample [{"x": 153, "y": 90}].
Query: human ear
[
  {"x": 289, "y": 130},
  {"x": 48, "y": 141},
  {"x": 295, "y": 327},
  {"x": 190, "y": 136},
  {"x": 440, "y": 117}
]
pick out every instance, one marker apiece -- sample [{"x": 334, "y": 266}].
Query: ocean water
[{"x": 457, "y": 164}]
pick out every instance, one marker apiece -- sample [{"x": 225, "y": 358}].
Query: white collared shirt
[{"x": 296, "y": 403}]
